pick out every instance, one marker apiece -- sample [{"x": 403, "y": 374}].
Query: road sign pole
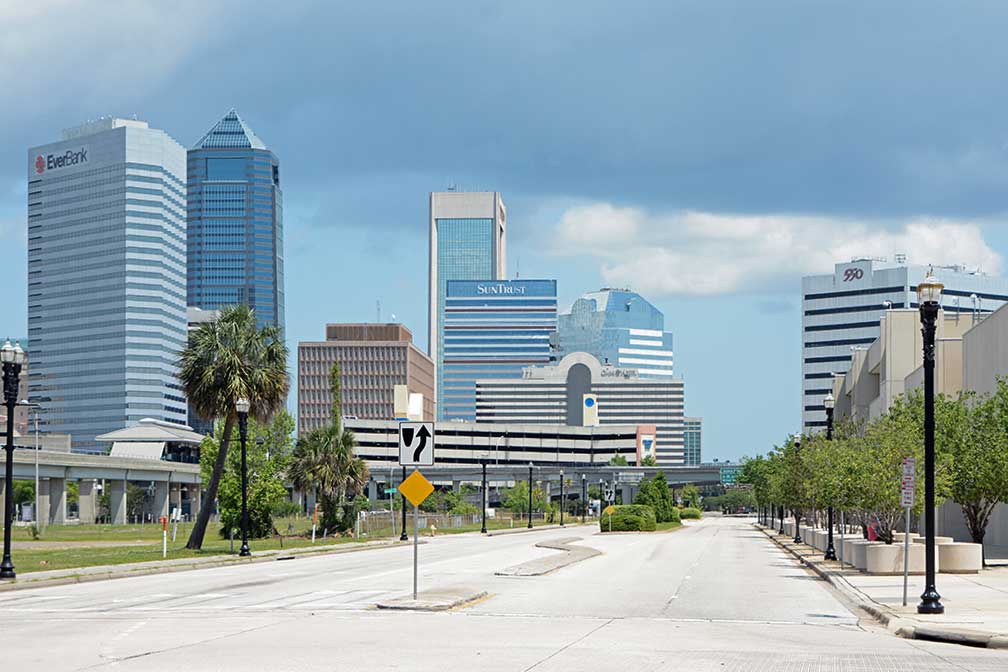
[
  {"x": 415, "y": 535},
  {"x": 906, "y": 556},
  {"x": 403, "y": 536}
]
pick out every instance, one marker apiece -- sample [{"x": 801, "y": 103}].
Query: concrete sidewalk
[{"x": 976, "y": 605}]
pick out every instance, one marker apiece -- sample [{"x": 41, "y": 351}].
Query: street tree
[{"x": 226, "y": 360}]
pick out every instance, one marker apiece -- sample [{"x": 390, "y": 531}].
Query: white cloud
[{"x": 693, "y": 252}]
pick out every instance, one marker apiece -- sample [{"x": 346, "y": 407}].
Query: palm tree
[
  {"x": 226, "y": 360},
  {"x": 324, "y": 461}
]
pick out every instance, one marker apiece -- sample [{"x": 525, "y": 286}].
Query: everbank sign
[{"x": 71, "y": 157}]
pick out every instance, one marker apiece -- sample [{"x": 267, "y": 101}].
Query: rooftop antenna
[
  {"x": 378, "y": 311},
  {"x": 518, "y": 270}
]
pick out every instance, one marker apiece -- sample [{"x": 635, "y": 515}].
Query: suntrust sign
[
  {"x": 500, "y": 289},
  {"x": 71, "y": 157}
]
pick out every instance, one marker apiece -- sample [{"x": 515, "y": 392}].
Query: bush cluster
[
  {"x": 690, "y": 513},
  {"x": 628, "y": 518}
]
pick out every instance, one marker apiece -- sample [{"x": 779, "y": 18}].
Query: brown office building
[{"x": 373, "y": 359}]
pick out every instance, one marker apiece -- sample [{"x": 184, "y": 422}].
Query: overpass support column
[
  {"x": 42, "y": 515},
  {"x": 86, "y": 501},
  {"x": 57, "y": 501},
  {"x": 195, "y": 500},
  {"x": 117, "y": 501},
  {"x": 160, "y": 507},
  {"x": 626, "y": 491},
  {"x": 175, "y": 498},
  {"x": 372, "y": 491}
]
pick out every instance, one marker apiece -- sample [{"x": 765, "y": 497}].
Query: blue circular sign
[{"x": 589, "y": 402}]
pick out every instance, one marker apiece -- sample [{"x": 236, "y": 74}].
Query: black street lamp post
[
  {"x": 780, "y": 515},
  {"x": 929, "y": 299},
  {"x": 797, "y": 514},
  {"x": 402, "y": 500},
  {"x": 584, "y": 499},
  {"x": 561, "y": 498},
  {"x": 530, "y": 497},
  {"x": 484, "y": 530},
  {"x": 242, "y": 406},
  {"x": 829, "y": 402},
  {"x": 13, "y": 357}
]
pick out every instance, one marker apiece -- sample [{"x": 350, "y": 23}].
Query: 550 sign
[{"x": 851, "y": 274}]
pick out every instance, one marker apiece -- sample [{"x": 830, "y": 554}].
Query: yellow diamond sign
[{"x": 416, "y": 488}]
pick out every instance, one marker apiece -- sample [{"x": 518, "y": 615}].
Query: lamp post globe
[
  {"x": 829, "y": 403},
  {"x": 242, "y": 407},
  {"x": 12, "y": 357},
  {"x": 929, "y": 293}
]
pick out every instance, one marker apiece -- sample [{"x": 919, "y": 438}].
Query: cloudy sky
[{"x": 703, "y": 153}]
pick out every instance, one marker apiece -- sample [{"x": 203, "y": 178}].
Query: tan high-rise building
[{"x": 373, "y": 359}]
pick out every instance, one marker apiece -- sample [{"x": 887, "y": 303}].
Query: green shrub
[
  {"x": 673, "y": 516},
  {"x": 690, "y": 513},
  {"x": 628, "y": 518}
]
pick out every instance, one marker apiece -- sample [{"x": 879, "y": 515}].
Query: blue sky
[{"x": 704, "y": 153}]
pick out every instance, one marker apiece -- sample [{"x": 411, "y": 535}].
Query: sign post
[
  {"x": 907, "y": 500},
  {"x": 416, "y": 489},
  {"x": 314, "y": 522},
  {"x": 164, "y": 536}
]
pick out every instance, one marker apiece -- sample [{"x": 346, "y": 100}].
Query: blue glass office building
[
  {"x": 467, "y": 242},
  {"x": 106, "y": 279},
  {"x": 692, "y": 440},
  {"x": 492, "y": 329},
  {"x": 235, "y": 222},
  {"x": 620, "y": 328}
]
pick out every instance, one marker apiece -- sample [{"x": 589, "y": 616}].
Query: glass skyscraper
[
  {"x": 106, "y": 278},
  {"x": 492, "y": 329},
  {"x": 620, "y": 328},
  {"x": 692, "y": 440},
  {"x": 467, "y": 242},
  {"x": 235, "y": 222}
]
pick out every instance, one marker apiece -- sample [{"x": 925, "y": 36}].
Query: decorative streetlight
[
  {"x": 797, "y": 515},
  {"x": 242, "y": 407},
  {"x": 929, "y": 299},
  {"x": 584, "y": 499},
  {"x": 402, "y": 501},
  {"x": 561, "y": 498},
  {"x": 530, "y": 497},
  {"x": 13, "y": 357},
  {"x": 483, "y": 462},
  {"x": 829, "y": 402}
]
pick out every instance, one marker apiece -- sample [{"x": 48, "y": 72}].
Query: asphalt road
[{"x": 714, "y": 596}]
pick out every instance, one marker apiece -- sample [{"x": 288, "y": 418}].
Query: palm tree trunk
[{"x": 199, "y": 529}]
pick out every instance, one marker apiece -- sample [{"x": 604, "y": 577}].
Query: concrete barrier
[
  {"x": 887, "y": 559},
  {"x": 806, "y": 535},
  {"x": 938, "y": 540},
  {"x": 959, "y": 558},
  {"x": 847, "y": 548},
  {"x": 898, "y": 536},
  {"x": 859, "y": 555}
]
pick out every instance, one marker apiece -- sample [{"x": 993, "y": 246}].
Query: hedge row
[
  {"x": 691, "y": 513},
  {"x": 628, "y": 518}
]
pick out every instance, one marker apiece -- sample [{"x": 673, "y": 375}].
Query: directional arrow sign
[{"x": 416, "y": 444}]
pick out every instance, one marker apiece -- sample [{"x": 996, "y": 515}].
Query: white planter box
[
  {"x": 959, "y": 558},
  {"x": 938, "y": 540},
  {"x": 887, "y": 559},
  {"x": 859, "y": 555}
]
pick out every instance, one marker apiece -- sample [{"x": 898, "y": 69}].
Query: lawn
[{"x": 142, "y": 543}]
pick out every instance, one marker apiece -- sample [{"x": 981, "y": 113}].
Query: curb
[
  {"x": 128, "y": 571},
  {"x": 542, "y": 566},
  {"x": 525, "y": 530},
  {"x": 431, "y": 604},
  {"x": 901, "y": 627}
]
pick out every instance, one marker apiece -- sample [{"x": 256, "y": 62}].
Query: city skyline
[{"x": 803, "y": 182}]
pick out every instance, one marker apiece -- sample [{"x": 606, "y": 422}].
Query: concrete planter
[
  {"x": 819, "y": 539},
  {"x": 845, "y": 550},
  {"x": 887, "y": 559},
  {"x": 859, "y": 555},
  {"x": 938, "y": 540},
  {"x": 806, "y": 535},
  {"x": 898, "y": 536},
  {"x": 959, "y": 558}
]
